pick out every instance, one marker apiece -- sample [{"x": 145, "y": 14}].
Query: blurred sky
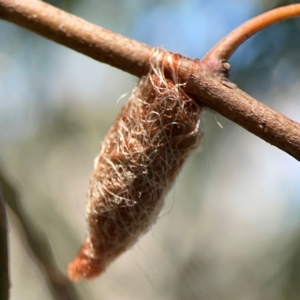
[{"x": 243, "y": 192}]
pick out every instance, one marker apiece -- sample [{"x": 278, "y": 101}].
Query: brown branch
[
  {"x": 73, "y": 32},
  {"x": 227, "y": 46},
  {"x": 134, "y": 57},
  {"x": 4, "y": 265},
  {"x": 239, "y": 107},
  {"x": 59, "y": 286}
]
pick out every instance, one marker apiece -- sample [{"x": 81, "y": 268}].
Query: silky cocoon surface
[{"x": 140, "y": 158}]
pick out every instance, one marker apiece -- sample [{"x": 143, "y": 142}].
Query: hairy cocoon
[{"x": 140, "y": 158}]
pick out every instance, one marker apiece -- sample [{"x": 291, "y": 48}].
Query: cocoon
[{"x": 140, "y": 158}]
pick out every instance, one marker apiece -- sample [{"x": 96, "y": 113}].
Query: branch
[
  {"x": 203, "y": 80},
  {"x": 59, "y": 286},
  {"x": 227, "y": 46},
  {"x": 4, "y": 265},
  {"x": 239, "y": 107},
  {"x": 75, "y": 33}
]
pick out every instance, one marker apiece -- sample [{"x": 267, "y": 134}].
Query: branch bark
[
  {"x": 227, "y": 46},
  {"x": 204, "y": 83},
  {"x": 75, "y": 33}
]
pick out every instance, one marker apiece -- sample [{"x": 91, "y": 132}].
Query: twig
[
  {"x": 60, "y": 287},
  {"x": 227, "y": 46},
  {"x": 203, "y": 80},
  {"x": 4, "y": 265}
]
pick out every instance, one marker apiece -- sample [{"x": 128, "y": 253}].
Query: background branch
[
  {"x": 4, "y": 265},
  {"x": 60, "y": 287}
]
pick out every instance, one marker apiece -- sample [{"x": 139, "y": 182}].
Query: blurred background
[{"x": 230, "y": 228}]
